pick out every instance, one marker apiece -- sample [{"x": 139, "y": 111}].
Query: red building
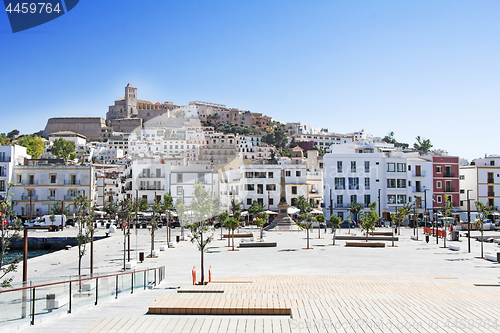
[{"x": 446, "y": 180}]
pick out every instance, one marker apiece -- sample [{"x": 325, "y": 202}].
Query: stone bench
[
  {"x": 491, "y": 256},
  {"x": 259, "y": 244},
  {"x": 454, "y": 248},
  {"x": 363, "y": 238},
  {"x": 381, "y": 233},
  {"x": 237, "y": 235},
  {"x": 364, "y": 244}
]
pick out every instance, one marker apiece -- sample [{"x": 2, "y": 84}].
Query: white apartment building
[
  {"x": 109, "y": 184},
  {"x": 322, "y": 140},
  {"x": 303, "y": 128},
  {"x": 363, "y": 173},
  {"x": 482, "y": 180},
  {"x": 10, "y": 156},
  {"x": 49, "y": 184}
]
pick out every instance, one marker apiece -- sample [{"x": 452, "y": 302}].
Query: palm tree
[
  {"x": 261, "y": 219},
  {"x": 483, "y": 211},
  {"x": 320, "y": 219},
  {"x": 335, "y": 222},
  {"x": 232, "y": 225},
  {"x": 354, "y": 209},
  {"x": 307, "y": 222},
  {"x": 222, "y": 218}
]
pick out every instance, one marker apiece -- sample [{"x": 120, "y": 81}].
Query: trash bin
[
  {"x": 141, "y": 256},
  {"x": 177, "y": 239},
  {"x": 427, "y": 238},
  {"x": 454, "y": 235}
]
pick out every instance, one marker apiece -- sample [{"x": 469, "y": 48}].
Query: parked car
[
  {"x": 345, "y": 224},
  {"x": 217, "y": 225},
  {"x": 175, "y": 224}
]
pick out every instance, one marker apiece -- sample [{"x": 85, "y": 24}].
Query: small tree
[
  {"x": 84, "y": 226},
  {"x": 261, "y": 219},
  {"x": 63, "y": 149},
  {"x": 483, "y": 212},
  {"x": 33, "y": 143},
  {"x": 423, "y": 145},
  {"x": 166, "y": 206},
  {"x": 321, "y": 219},
  {"x": 256, "y": 208},
  {"x": 303, "y": 205},
  {"x": 222, "y": 218},
  {"x": 155, "y": 217},
  {"x": 335, "y": 223},
  {"x": 6, "y": 237},
  {"x": 370, "y": 219},
  {"x": 446, "y": 209},
  {"x": 56, "y": 209},
  {"x": 233, "y": 224},
  {"x": 306, "y": 223},
  {"x": 111, "y": 209},
  {"x": 354, "y": 209},
  {"x": 52, "y": 219}
]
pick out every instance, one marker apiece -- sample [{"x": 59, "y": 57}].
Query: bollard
[
  {"x": 193, "y": 272},
  {"x": 210, "y": 273}
]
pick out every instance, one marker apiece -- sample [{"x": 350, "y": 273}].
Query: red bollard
[
  {"x": 210, "y": 274},
  {"x": 193, "y": 272}
]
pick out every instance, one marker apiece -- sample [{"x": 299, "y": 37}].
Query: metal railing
[
  {"x": 25, "y": 303},
  {"x": 5, "y": 159},
  {"x": 69, "y": 182}
]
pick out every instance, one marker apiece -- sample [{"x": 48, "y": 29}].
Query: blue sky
[{"x": 428, "y": 68}]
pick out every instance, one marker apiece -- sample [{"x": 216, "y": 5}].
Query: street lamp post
[{"x": 468, "y": 220}]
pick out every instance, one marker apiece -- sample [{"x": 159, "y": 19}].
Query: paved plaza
[{"x": 329, "y": 288}]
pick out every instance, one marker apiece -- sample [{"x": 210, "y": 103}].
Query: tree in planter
[
  {"x": 56, "y": 209},
  {"x": 335, "y": 223},
  {"x": 7, "y": 234},
  {"x": 233, "y": 224},
  {"x": 370, "y": 219},
  {"x": 483, "y": 212},
  {"x": 222, "y": 218},
  {"x": 306, "y": 223},
  {"x": 166, "y": 207},
  {"x": 203, "y": 206},
  {"x": 181, "y": 210},
  {"x": 155, "y": 217},
  {"x": 446, "y": 209},
  {"x": 84, "y": 226},
  {"x": 321, "y": 219},
  {"x": 124, "y": 214},
  {"x": 261, "y": 219},
  {"x": 354, "y": 209}
]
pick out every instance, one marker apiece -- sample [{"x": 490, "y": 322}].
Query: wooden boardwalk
[{"x": 322, "y": 303}]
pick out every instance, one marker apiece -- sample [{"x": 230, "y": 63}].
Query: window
[
  {"x": 260, "y": 175},
  {"x": 461, "y": 203},
  {"x": 297, "y": 173},
  {"x": 401, "y": 183},
  {"x": 2, "y": 171},
  {"x": 339, "y": 183},
  {"x": 367, "y": 199},
  {"x": 288, "y": 173},
  {"x": 438, "y": 184},
  {"x": 391, "y": 167},
  {"x": 401, "y": 167},
  {"x": 271, "y": 187},
  {"x": 492, "y": 163},
  {"x": 367, "y": 166},
  {"x": 52, "y": 193},
  {"x": 294, "y": 189},
  {"x": 391, "y": 199},
  {"x": 391, "y": 183},
  {"x": 260, "y": 201},
  {"x": 462, "y": 191},
  {"x": 2, "y": 185},
  {"x": 354, "y": 183},
  {"x": 462, "y": 177},
  {"x": 270, "y": 175},
  {"x": 401, "y": 199},
  {"x": 72, "y": 193},
  {"x": 249, "y": 187},
  {"x": 248, "y": 174},
  {"x": 179, "y": 190},
  {"x": 409, "y": 167},
  {"x": 491, "y": 202},
  {"x": 439, "y": 199},
  {"x": 354, "y": 198},
  {"x": 340, "y": 200},
  {"x": 491, "y": 178},
  {"x": 353, "y": 166},
  {"x": 339, "y": 166},
  {"x": 438, "y": 169},
  {"x": 249, "y": 201},
  {"x": 201, "y": 178},
  {"x": 271, "y": 201},
  {"x": 179, "y": 177},
  {"x": 367, "y": 183}
]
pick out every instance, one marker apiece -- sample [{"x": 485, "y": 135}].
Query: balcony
[
  {"x": 419, "y": 174},
  {"x": 449, "y": 174},
  {"x": 340, "y": 205},
  {"x": 27, "y": 197},
  {"x": 35, "y": 182},
  {"x": 2, "y": 174},
  {"x": 491, "y": 193},
  {"x": 417, "y": 189},
  {"x": 491, "y": 180},
  {"x": 354, "y": 187},
  {"x": 69, "y": 197},
  {"x": 69, "y": 182},
  {"x": 151, "y": 176},
  {"x": 449, "y": 189},
  {"x": 339, "y": 187},
  {"x": 51, "y": 198},
  {"x": 151, "y": 188},
  {"x": 5, "y": 159}
]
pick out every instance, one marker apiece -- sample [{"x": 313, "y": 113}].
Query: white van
[{"x": 44, "y": 221}]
